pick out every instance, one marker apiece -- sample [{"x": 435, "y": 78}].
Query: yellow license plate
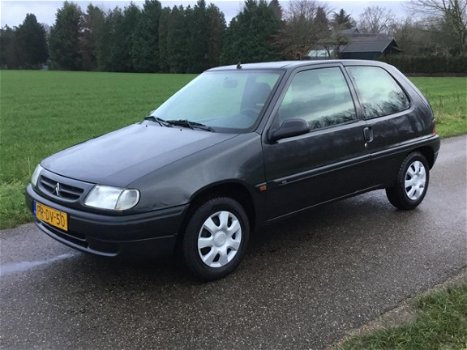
[{"x": 51, "y": 216}]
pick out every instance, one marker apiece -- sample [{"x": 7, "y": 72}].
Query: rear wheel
[
  {"x": 215, "y": 238},
  {"x": 411, "y": 183}
]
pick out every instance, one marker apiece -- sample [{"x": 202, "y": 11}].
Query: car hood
[{"x": 121, "y": 157}]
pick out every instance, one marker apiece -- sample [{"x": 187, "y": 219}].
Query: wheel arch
[
  {"x": 428, "y": 153},
  {"x": 232, "y": 189}
]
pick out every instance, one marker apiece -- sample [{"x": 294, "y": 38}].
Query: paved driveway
[{"x": 303, "y": 283}]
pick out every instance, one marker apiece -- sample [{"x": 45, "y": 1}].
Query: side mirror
[{"x": 289, "y": 128}]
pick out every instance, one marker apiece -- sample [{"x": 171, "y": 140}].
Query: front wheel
[
  {"x": 215, "y": 238},
  {"x": 411, "y": 183}
]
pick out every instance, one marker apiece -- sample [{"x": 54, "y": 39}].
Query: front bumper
[{"x": 152, "y": 233}]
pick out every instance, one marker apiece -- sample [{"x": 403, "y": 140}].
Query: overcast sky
[{"x": 14, "y": 11}]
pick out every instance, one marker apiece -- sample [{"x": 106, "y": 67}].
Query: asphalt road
[{"x": 303, "y": 284}]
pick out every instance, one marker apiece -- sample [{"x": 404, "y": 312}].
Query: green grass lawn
[
  {"x": 440, "y": 324},
  {"x": 448, "y": 98},
  {"x": 43, "y": 112}
]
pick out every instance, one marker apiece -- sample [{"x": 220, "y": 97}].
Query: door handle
[{"x": 368, "y": 135}]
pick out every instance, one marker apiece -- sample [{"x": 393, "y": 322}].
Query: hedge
[{"x": 428, "y": 64}]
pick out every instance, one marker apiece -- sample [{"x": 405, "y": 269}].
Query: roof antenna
[{"x": 239, "y": 65}]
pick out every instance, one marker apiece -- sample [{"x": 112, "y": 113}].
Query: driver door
[{"x": 331, "y": 159}]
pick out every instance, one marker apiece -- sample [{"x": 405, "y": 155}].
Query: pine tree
[
  {"x": 216, "y": 32},
  {"x": 126, "y": 38},
  {"x": 250, "y": 36},
  {"x": 64, "y": 38},
  {"x": 117, "y": 40},
  {"x": 177, "y": 33},
  {"x": 92, "y": 24},
  {"x": 146, "y": 40},
  {"x": 342, "y": 20},
  {"x": 276, "y": 8},
  {"x": 105, "y": 39},
  {"x": 198, "y": 39},
  {"x": 321, "y": 23},
  {"x": 8, "y": 45},
  {"x": 119, "y": 52},
  {"x": 163, "y": 37},
  {"x": 31, "y": 43}
]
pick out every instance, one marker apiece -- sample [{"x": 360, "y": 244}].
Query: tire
[
  {"x": 216, "y": 238},
  {"x": 411, "y": 183}
]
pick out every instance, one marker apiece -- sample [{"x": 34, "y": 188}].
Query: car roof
[{"x": 294, "y": 64}]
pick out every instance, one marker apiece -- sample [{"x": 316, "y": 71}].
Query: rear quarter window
[{"x": 378, "y": 92}]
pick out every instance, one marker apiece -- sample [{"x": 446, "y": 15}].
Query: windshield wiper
[
  {"x": 189, "y": 124},
  {"x": 161, "y": 121}
]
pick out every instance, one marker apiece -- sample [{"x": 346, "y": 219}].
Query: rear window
[{"x": 379, "y": 93}]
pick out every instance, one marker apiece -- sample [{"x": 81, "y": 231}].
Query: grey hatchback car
[{"x": 239, "y": 147}]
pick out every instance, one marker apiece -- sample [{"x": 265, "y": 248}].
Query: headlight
[
  {"x": 35, "y": 175},
  {"x": 112, "y": 198}
]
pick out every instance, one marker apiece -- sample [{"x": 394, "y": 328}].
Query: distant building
[{"x": 351, "y": 44}]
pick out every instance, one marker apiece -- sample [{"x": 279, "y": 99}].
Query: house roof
[
  {"x": 367, "y": 43},
  {"x": 349, "y": 31}
]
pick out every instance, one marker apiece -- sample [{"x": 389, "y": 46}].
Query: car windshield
[{"x": 221, "y": 99}]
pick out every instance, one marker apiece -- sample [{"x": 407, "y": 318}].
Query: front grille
[{"x": 59, "y": 189}]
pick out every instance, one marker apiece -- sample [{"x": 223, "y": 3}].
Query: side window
[
  {"x": 378, "y": 92},
  {"x": 319, "y": 96}
]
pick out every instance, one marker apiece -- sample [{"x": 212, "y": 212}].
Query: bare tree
[
  {"x": 375, "y": 19},
  {"x": 414, "y": 37},
  {"x": 301, "y": 9},
  {"x": 303, "y": 28},
  {"x": 449, "y": 16}
]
